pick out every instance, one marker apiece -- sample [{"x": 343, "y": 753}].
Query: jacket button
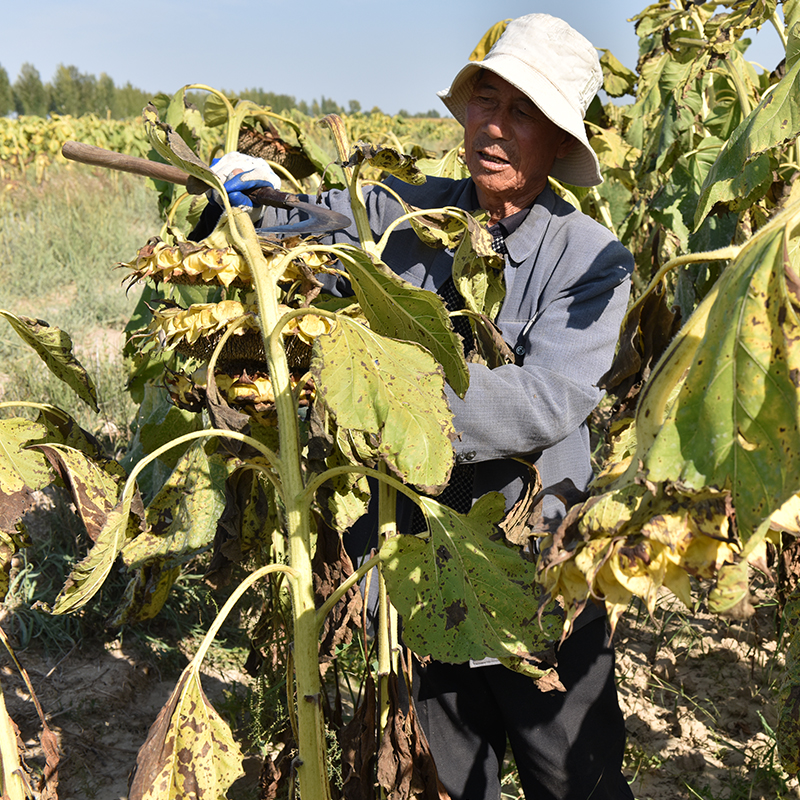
[
  {"x": 469, "y": 456},
  {"x": 519, "y": 350}
]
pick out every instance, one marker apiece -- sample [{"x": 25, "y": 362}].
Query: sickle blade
[{"x": 320, "y": 219}]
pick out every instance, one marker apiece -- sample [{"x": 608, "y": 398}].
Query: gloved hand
[{"x": 238, "y": 173}]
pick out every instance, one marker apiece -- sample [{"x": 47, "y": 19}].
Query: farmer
[{"x": 567, "y": 285}]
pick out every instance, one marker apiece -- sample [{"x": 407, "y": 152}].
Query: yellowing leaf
[
  {"x": 393, "y": 390},
  {"x": 189, "y": 752},
  {"x": 54, "y": 347},
  {"x": 736, "y": 421}
]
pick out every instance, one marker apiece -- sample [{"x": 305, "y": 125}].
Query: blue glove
[
  {"x": 236, "y": 187},
  {"x": 250, "y": 173}
]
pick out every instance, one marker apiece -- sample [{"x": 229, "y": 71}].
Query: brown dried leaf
[
  {"x": 518, "y": 523},
  {"x": 331, "y": 566},
  {"x": 406, "y": 769},
  {"x": 357, "y": 740}
]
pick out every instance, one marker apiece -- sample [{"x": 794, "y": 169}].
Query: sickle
[{"x": 320, "y": 219}]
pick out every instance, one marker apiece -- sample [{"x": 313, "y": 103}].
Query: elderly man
[{"x": 567, "y": 285}]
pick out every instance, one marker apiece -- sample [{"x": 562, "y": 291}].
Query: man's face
[{"x": 510, "y": 145}]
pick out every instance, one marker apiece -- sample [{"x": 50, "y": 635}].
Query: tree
[
  {"x": 30, "y": 95},
  {"x": 6, "y": 97},
  {"x": 65, "y": 91},
  {"x": 104, "y": 95}
]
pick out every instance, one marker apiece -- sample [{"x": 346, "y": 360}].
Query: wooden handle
[{"x": 89, "y": 154}]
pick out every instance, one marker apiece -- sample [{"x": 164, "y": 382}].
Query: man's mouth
[{"x": 492, "y": 158}]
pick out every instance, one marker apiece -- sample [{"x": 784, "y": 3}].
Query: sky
[{"x": 390, "y": 55}]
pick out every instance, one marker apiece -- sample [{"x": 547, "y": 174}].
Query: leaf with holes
[{"x": 463, "y": 594}]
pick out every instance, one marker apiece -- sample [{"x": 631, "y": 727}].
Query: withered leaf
[
  {"x": 332, "y": 566},
  {"x": 406, "y": 769},
  {"x": 358, "y": 742}
]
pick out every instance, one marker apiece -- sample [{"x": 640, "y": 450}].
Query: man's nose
[{"x": 496, "y": 124}]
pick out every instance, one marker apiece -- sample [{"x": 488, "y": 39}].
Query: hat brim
[{"x": 580, "y": 166}]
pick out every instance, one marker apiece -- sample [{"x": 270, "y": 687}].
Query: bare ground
[{"x": 697, "y": 691}]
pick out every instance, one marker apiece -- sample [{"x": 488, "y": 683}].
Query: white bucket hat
[{"x": 558, "y": 69}]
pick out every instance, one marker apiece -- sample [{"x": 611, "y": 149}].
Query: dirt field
[{"x": 697, "y": 693}]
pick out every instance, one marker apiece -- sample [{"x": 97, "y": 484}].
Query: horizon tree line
[{"x": 75, "y": 93}]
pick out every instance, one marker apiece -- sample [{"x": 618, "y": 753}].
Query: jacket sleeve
[{"x": 565, "y": 347}]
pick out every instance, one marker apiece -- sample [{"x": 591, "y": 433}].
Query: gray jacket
[{"x": 567, "y": 285}]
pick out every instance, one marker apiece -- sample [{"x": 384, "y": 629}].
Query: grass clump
[{"x": 59, "y": 242}]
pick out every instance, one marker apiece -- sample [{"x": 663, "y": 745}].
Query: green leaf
[
  {"x": 182, "y": 518},
  {"x": 392, "y": 390},
  {"x": 397, "y": 309},
  {"x": 741, "y": 173},
  {"x": 54, "y": 347},
  {"x": 189, "y": 752},
  {"x": 462, "y": 593},
  {"x": 158, "y": 422},
  {"x": 184, "y": 118},
  {"x": 736, "y": 420}
]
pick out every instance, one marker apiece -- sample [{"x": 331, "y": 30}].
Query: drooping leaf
[
  {"x": 393, "y": 390},
  {"x": 21, "y": 467},
  {"x": 735, "y": 423},
  {"x": 463, "y": 594},
  {"x": 54, "y": 347},
  {"x": 145, "y": 595},
  {"x": 347, "y": 495},
  {"x": 189, "y": 752},
  {"x": 247, "y": 523},
  {"x": 647, "y": 329},
  {"x": 397, "y": 309},
  {"x": 742, "y": 171},
  {"x": 182, "y": 518},
  {"x": 618, "y": 80},
  {"x": 88, "y": 576},
  {"x": 450, "y": 165},
  {"x": 11, "y": 542},
  {"x": 95, "y": 486},
  {"x": 357, "y": 740},
  {"x": 406, "y": 770},
  {"x": 171, "y": 146},
  {"x": 388, "y": 160},
  {"x": 478, "y": 271},
  {"x": 331, "y": 566}
]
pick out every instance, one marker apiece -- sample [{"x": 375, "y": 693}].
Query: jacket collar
[{"x": 527, "y": 238}]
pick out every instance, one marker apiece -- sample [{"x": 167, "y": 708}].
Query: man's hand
[{"x": 239, "y": 173}]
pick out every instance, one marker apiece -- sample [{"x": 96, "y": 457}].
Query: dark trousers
[{"x": 566, "y": 745}]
